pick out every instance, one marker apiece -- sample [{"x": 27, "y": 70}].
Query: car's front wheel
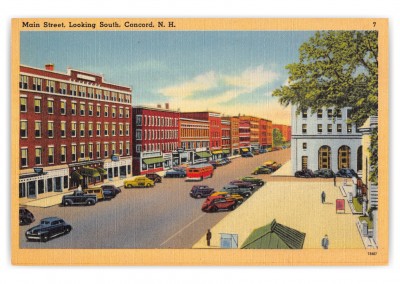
[
  {"x": 67, "y": 203},
  {"x": 198, "y": 196},
  {"x": 67, "y": 230},
  {"x": 89, "y": 202},
  {"x": 44, "y": 238}
]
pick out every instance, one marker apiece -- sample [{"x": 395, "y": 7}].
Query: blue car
[
  {"x": 247, "y": 155},
  {"x": 175, "y": 173}
]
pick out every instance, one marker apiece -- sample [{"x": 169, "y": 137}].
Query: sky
[{"x": 231, "y": 72}]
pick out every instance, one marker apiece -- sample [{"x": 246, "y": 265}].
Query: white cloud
[{"x": 252, "y": 78}]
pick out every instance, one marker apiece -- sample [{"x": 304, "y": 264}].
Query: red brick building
[
  {"x": 75, "y": 129},
  {"x": 156, "y": 138},
  {"x": 226, "y": 137},
  {"x": 244, "y": 136},
  {"x": 195, "y": 140}
]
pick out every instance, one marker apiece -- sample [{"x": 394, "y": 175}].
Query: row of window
[
  {"x": 194, "y": 145},
  {"x": 328, "y": 128},
  {"x": 156, "y": 134},
  {"x": 85, "y": 151},
  {"x": 151, "y": 120},
  {"x": 187, "y": 132},
  {"x": 329, "y": 113},
  {"x": 73, "y": 129},
  {"x": 164, "y": 147},
  {"x": 73, "y": 108},
  {"x": 51, "y": 86}
]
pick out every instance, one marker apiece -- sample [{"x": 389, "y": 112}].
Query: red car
[{"x": 215, "y": 203}]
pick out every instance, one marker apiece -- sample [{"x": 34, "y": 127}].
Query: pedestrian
[
  {"x": 334, "y": 180},
  {"x": 325, "y": 242},
  {"x": 323, "y": 196},
  {"x": 209, "y": 235}
]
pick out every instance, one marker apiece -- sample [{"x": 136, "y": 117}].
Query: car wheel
[
  {"x": 129, "y": 185},
  {"x": 256, "y": 172},
  {"x": 261, "y": 183},
  {"x": 44, "y": 238},
  {"x": 27, "y": 221},
  {"x": 67, "y": 203},
  {"x": 148, "y": 185},
  {"x": 239, "y": 202},
  {"x": 89, "y": 202},
  {"x": 247, "y": 195},
  {"x": 233, "y": 207},
  {"x": 67, "y": 230},
  {"x": 214, "y": 209}
]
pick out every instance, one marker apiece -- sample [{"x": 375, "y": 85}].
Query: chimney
[
  {"x": 159, "y": 106},
  {"x": 49, "y": 67},
  {"x": 166, "y": 105}
]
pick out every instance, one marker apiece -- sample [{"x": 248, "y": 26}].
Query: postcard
[{"x": 199, "y": 141}]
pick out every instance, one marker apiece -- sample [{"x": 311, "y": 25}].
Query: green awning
[
  {"x": 217, "y": 152},
  {"x": 226, "y": 151},
  {"x": 76, "y": 176},
  {"x": 101, "y": 171},
  {"x": 156, "y": 160},
  {"x": 203, "y": 154},
  {"x": 90, "y": 172},
  {"x": 275, "y": 236}
]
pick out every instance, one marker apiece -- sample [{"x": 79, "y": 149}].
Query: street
[{"x": 164, "y": 216}]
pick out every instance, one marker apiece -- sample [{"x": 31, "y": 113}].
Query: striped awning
[
  {"x": 203, "y": 154},
  {"x": 150, "y": 161},
  {"x": 90, "y": 172}
]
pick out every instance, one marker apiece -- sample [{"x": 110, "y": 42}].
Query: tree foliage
[
  {"x": 277, "y": 137},
  {"x": 335, "y": 69},
  {"x": 373, "y": 149}
]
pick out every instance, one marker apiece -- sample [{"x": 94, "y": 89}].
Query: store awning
[
  {"x": 90, "y": 172},
  {"x": 226, "y": 151},
  {"x": 150, "y": 161},
  {"x": 76, "y": 176},
  {"x": 101, "y": 171},
  {"x": 203, "y": 154},
  {"x": 245, "y": 150},
  {"x": 217, "y": 152},
  {"x": 275, "y": 236}
]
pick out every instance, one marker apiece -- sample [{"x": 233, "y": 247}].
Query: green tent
[{"x": 274, "y": 236}]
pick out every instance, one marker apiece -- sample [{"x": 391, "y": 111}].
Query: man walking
[
  {"x": 323, "y": 196},
  {"x": 325, "y": 242},
  {"x": 208, "y": 237}
]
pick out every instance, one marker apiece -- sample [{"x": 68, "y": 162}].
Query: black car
[
  {"x": 324, "y": 173},
  {"x": 305, "y": 173},
  {"x": 234, "y": 189},
  {"x": 175, "y": 173},
  {"x": 199, "y": 191},
  {"x": 109, "y": 193},
  {"x": 48, "y": 228},
  {"x": 154, "y": 177},
  {"x": 346, "y": 173},
  {"x": 111, "y": 187},
  {"x": 247, "y": 155},
  {"x": 242, "y": 184},
  {"x": 213, "y": 163},
  {"x": 25, "y": 217}
]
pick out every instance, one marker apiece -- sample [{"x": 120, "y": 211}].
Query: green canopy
[
  {"x": 156, "y": 160},
  {"x": 274, "y": 236},
  {"x": 226, "y": 151},
  {"x": 76, "y": 176},
  {"x": 90, "y": 172},
  {"x": 203, "y": 154},
  {"x": 101, "y": 171}
]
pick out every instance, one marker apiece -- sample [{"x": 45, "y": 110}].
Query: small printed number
[
  {"x": 372, "y": 253},
  {"x": 374, "y": 23}
]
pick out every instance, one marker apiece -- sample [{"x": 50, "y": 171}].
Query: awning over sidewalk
[
  {"x": 226, "y": 151},
  {"x": 274, "y": 236},
  {"x": 101, "y": 171},
  {"x": 90, "y": 172},
  {"x": 203, "y": 154},
  {"x": 76, "y": 176},
  {"x": 245, "y": 149},
  {"x": 217, "y": 152},
  {"x": 156, "y": 160}
]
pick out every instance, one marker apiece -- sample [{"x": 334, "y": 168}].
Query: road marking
[{"x": 184, "y": 228}]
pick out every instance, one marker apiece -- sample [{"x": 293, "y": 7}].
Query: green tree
[{"x": 277, "y": 137}]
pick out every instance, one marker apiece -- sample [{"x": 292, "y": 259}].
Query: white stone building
[{"x": 322, "y": 141}]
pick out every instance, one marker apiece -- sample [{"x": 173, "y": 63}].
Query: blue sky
[{"x": 230, "y": 72}]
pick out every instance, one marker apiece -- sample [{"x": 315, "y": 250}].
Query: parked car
[
  {"x": 175, "y": 173},
  {"x": 253, "y": 181},
  {"x": 325, "y": 173},
  {"x": 199, "y": 191},
  {"x": 234, "y": 189},
  {"x": 262, "y": 170},
  {"x": 227, "y": 160},
  {"x": 100, "y": 193},
  {"x": 109, "y": 193},
  {"x": 111, "y": 187},
  {"x": 272, "y": 165},
  {"x": 247, "y": 155},
  {"x": 256, "y": 152},
  {"x": 154, "y": 177},
  {"x": 305, "y": 173},
  {"x": 221, "y": 162},
  {"x": 263, "y": 151},
  {"x": 140, "y": 181},
  {"x": 239, "y": 199},
  {"x": 242, "y": 184},
  {"x": 48, "y": 228},
  {"x": 213, "y": 163},
  {"x": 79, "y": 198},
  {"x": 346, "y": 173},
  {"x": 25, "y": 216},
  {"x": 216, "y": 203}
]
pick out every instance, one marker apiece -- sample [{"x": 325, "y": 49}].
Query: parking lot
[{"x": 164, "y": 216}]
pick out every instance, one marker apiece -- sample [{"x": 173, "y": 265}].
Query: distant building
[
  {"x": 322, "y": 141},
  {"x": 194, "y": 140},
  {"x": 234, "y": 133},
  {"x": 244, "y": 136},
  {"x": 286, "y": 131}
]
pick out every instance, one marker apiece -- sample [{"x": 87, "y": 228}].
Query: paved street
[{"x": 161, "y": 217}]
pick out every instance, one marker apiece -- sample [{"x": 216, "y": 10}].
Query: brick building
[
  {"x": 195, "y": 140},
  {"x": 75, "y": 129},
  {"x": 244, "y": 136},
  {"x": 254, "y": 130},
  {"x": 155, "y": 139},
  {"x": 234, "y": 134},
  {"x": 226, "y": 137}
]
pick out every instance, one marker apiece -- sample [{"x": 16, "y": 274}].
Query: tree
[
  {"x": 277, "y": 137},
  {"x": 336, "y": 69}
]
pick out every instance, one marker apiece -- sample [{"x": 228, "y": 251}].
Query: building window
[
  {"x": 38, "y": 129},
  {"x": 98, "y": 129},
  {"x": 121, "y": 112},
  {"x": 38, "y": 156},
  {"x": 121, "y": 148},
  {"x": 72, "y": 90},
  {"x": 304, "y": 162},
  {"x": 319, "y": 113},
  {"x": 106, "y": 129},
  {"x": 90, "y": 151},
  {"x": 330, "y": 113},
  {"x": 113, "y": 148},
  {"x": 113, "y": 129},
  {"x": 304, "y": 146},
  {"x": 127, "y": 113},
  {"x": 126, "y": 129},
  {"x": 105, "y": 111},
  {"x": 98, "y": 150},
  {"x": 63, "y": 129},
  {"x": 38, "y": 105},
  {"x": 339, "y": 128},
  {"x": 304, "y": 128},
  {"x": 73, "y": 129},
  {"x": 73, "y": 153},
  {"x": 324, "y": 157},
  {"x": 138, "y": 134},
  {"x": 50, "y": 106},
  {"x": 98, "y": 110},
  {"x": 304, "y": 114},
  {"x": 50, "y": 86},
  {"x": 105, "y": 150},
  {"x": 37, "y": 84},
  {"x": 63, "y": 107},
  {"x": 121, "y": 129},
  {"x": 51, "y": 155},
  {"x": 329, "y": 128},
  {"x": 82, "y": 129},
  {"x": 339, "y": 114},
  {"x": 82, "y": 109},
  {"x": 138, "y": 120},
  {"x": 63, "y": 157},
  {"x": 344, "y": 157},
  {"x": 90, "y": 110},
  {"x": 24, "y": 157},
  {"x": 90, "y": 93},
  {"x": 127, "y": 148},
  {"x": 82, "y": 151},
  {"x": 23, "y": 82},
  {"x": 319, "y": 128},
  {"x": 23, "y": 128},
  {"x": 98, "y": 94},
  {"x": 90, "y": 126},
  {"x": 23, "y": 104},
  {"x": 63, "y": 88},
  {"x": 349, "y": 128},
  {"x": 113, "y": 112},
  {"x": 50, "y": 129}
]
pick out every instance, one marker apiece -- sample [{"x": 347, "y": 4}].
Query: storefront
[
  {"x": 86, "y": 173},
  {"x": 226, "y": 153},
  {"x": 201, "y": 156},
  {"x": 118, "y": 168},
  {"x": 167, "y": 160},
  {"x": 244, "y": 150},
  {"x": 217, "y": 154}
]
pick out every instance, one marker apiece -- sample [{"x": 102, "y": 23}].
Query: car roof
[{"x": 50, "y": 219}]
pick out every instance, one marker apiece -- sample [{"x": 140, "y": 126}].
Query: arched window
[
  {"x": 324, "y": 157},
  {"x": 344, "y": 157}
]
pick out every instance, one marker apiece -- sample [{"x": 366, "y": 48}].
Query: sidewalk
[{"x": 284, "y": 171}]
